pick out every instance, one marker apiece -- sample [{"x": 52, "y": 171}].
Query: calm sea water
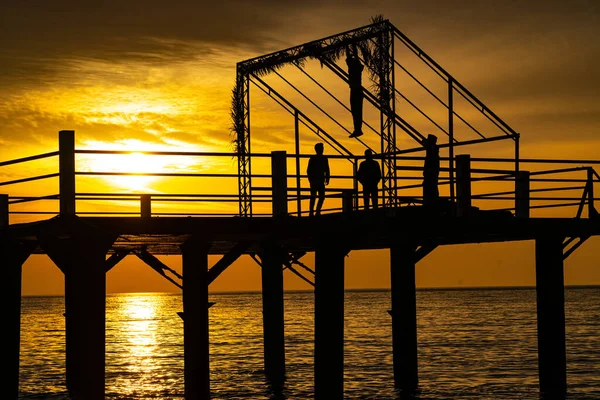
[{"x": 473, "y": 344}]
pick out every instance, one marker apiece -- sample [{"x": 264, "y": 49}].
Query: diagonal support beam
[
  {"x": 158, "y": 266},
  {"x": 423, "y": 251},
  {"x": 305, "y": 279},
  {"x": 229, "y": 258},
  {"x": 294, "y": 258},
  {"x": 570, "y": 251},
  {"x": 304, "y": 266},
  {"x": 255, "y": 258},
  {"x": 115, "y": 258}
]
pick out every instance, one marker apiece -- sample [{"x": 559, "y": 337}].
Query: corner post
[
  {"x": 195, "y": 323},
  {"x": 463, "y": 184},
  {"x": 279, "y": 183},
  {"x": 590, "y": 192},
  {"x": 329, "y": 321},
  {"x": 404, "y": 315},
  {"x": 451, "y": 135},
  {"x": 273, "y": 314},
  {"x": 298, "y": 173},
  {"x": 522, "y": 194},
  {"x": 66, "y": 156},
  {"x": 551, "y": 316}
]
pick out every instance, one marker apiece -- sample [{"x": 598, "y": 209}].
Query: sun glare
[{"x": 135, "y": 162}]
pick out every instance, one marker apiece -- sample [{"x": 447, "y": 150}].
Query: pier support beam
[
  {"x": 12, "y": 256},
  {"x": 551, "y": 316},
  {"x": 273, "y": 314},
  {"x": 404, "y": 316},
  {"x": 82, "y": 259},
  {"x": 329, "y": 321},
  {"x": 195, "y": 323}
]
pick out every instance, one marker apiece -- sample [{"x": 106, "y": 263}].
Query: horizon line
[{"x": 440, "y": 288}]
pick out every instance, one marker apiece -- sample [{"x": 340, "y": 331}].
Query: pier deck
[{"x": 359, "y": 230}]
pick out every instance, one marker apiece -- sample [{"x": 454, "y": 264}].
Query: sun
[{"x": 137, "y": 163}]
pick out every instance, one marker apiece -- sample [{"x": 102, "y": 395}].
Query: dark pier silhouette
[{"x": 86, "y": 245}]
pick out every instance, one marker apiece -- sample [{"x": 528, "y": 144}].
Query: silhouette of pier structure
[{"x": 268, "y": 221}]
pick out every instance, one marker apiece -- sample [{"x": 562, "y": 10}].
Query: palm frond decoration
[
  {"x": 372, "y": 42},
  {"x": 237, "y": 116}
]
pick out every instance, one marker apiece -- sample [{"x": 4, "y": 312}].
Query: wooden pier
[
  {"x": 79, "y": 246},
  {"x": 85, "y": 247}
]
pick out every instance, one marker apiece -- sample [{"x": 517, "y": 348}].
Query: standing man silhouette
[
  {"x": 318, "y": 177},
  {"x": 431, "y": 171},
  {"x": 356, "y": 94},
  {"x": 369, "y": 175}
]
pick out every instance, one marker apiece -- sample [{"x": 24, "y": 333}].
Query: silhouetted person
[
  {"x": 356, "y": 95},
  {"x": 431, "y": 171},
  {"x": 369, "y": 175},
  {"x": 318, "y": 177}
]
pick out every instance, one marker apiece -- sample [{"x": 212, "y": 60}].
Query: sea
[{"x": 473, "y": 344}]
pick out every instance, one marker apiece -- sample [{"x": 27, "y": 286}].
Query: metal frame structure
[{"x": 378, "y": 40}]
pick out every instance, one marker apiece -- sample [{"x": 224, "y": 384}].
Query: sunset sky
[{"x": 158, "y": 75}]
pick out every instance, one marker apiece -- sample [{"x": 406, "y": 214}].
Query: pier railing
[{"x": 543, "y": 187}]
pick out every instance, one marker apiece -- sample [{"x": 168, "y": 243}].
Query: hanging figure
[{"x": 355, "y": 68}]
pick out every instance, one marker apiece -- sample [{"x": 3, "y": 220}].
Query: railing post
[
  {"x": 355, "y": 181},
  {"x": 3, "y": 210},
  {"x": 451, "y": 135},
  {"x": 146, "y": 206},
  {"x": 590, "y": 192},
  {"x": 66, "y": 156},
  {"x": 298, "y": 182},
  {"x": 347, "y": 200},
  {"x": 522, "y": 194},
  {"x": 463, "y": 184},
  {"x": 279, "y": 182}
]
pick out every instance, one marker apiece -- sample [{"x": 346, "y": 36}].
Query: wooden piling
[
  {"x": 195, "y": 323},
  {"x": 404, "y": 315},
  {"x": 329, "y": 322},
  {"x": 12, "y": 256},
  {"x": 273, "y": 314},
  {"x": 551, "y": 316},
  {"x": 82, "y": 259}
]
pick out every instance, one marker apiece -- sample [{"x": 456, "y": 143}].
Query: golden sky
[{"x": 158, "y": 75}]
